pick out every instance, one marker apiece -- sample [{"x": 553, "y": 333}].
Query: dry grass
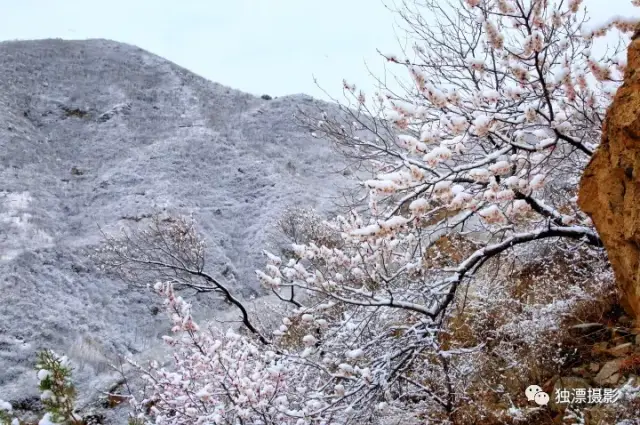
[
  {"x": 527, "y": 333},
  {"x": 631, "y": 365},
  {"x": 448, "y": 251}
]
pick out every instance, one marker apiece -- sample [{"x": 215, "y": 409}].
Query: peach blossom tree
[{"x": 482, "y": 149}]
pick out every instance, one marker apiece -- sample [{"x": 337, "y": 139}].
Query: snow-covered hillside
[{"x": 99, "y": 134}]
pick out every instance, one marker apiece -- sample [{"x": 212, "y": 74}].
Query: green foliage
[
  {"x": 58, "y": 394},
  {"x": 5, "y": 414}
]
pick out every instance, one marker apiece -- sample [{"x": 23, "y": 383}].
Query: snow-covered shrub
[
  {"x": 57, "y": 393},
  {"x": 523, "y": 320},
  {"x": 302, "y": 226}
]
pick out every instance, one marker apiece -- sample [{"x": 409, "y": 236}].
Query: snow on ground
[{"x": 94, "y": 133}]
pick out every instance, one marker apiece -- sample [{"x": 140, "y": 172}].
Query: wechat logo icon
[{"x": 534, "y": 393}]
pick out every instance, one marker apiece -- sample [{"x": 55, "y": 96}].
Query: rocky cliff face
[{"x": 610, "y": 186}]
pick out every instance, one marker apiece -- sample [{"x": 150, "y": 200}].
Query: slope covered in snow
[{"x": 99, "y": 134}]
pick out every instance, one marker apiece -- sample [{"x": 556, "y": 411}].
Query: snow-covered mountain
[{"x": 98, "y": 133}]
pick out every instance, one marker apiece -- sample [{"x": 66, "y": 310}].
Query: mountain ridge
[{"x": 94, "y": 133}]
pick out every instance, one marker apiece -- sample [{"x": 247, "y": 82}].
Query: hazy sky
[{"x": 258, "y": 46}]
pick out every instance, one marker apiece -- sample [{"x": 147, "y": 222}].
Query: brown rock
[
  {"x": 610, "y": 185},
  {"x": 622, "y": 349},
  {"x": 609, "y": 373},
  {"x": 625, "y": 321},
  {"x": 612, "y": 380},
  {"x": 570, "y": 382},
  {"x": 594, "y": 367},
  {"x": 599, "y": 348},
  {"x": 580, "y": 371},
  {"x": 599, "y": 414}
]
